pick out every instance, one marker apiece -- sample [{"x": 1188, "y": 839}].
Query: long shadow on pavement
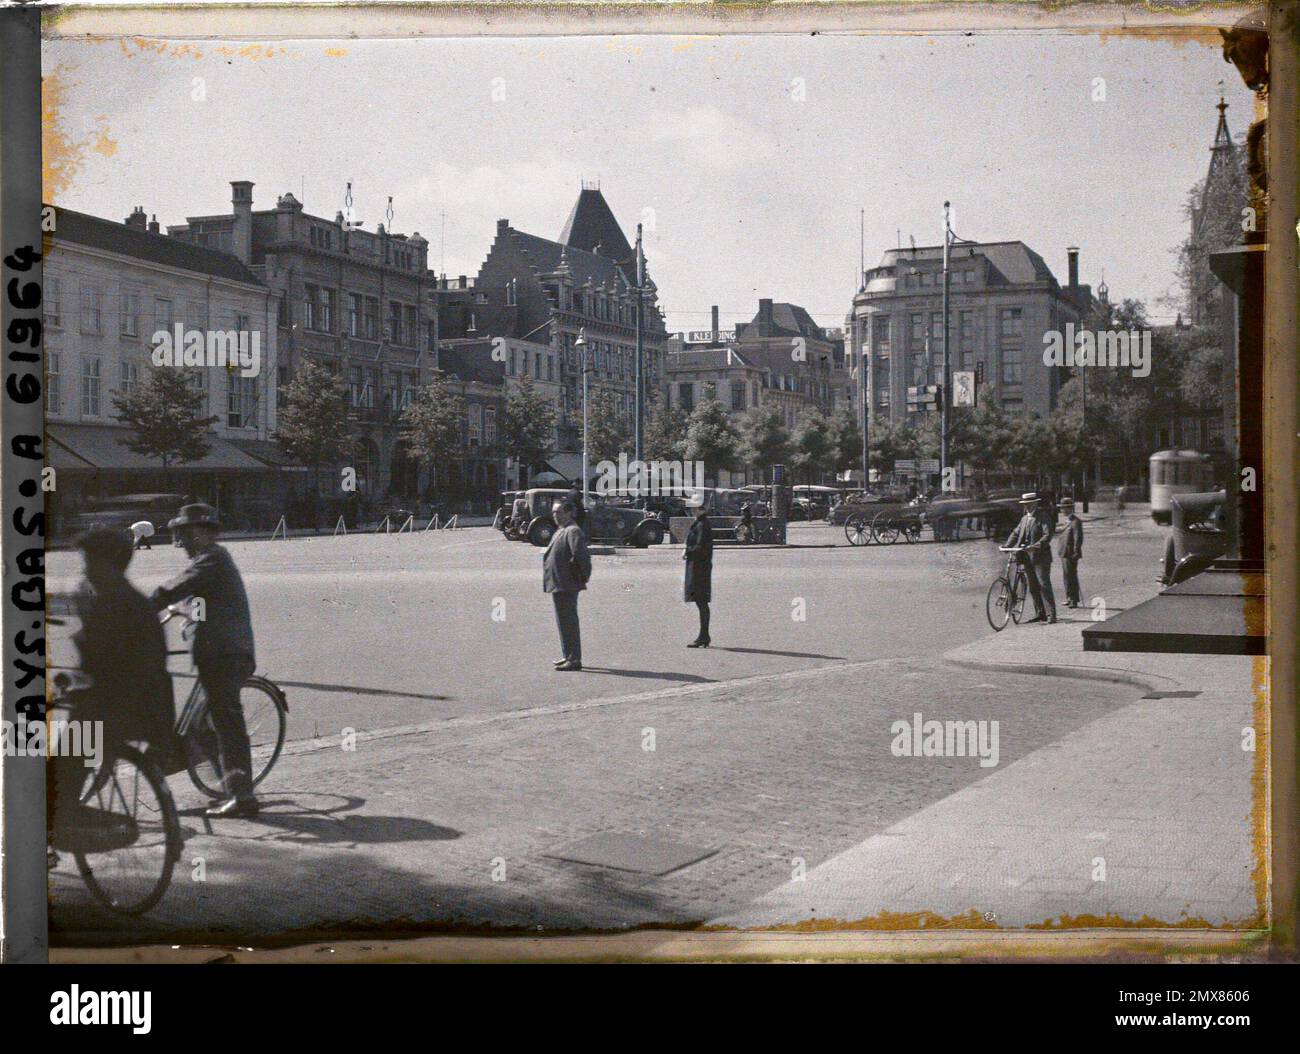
[
  {"x": 788, "y": 654},
  {"x": 654, "y": 675}
]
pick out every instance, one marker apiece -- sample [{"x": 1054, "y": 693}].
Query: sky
[{"x": 750, "y": 160}]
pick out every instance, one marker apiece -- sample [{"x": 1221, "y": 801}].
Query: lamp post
[
  {"x": 581, "y": 342},
  {"x": 944, "y": 394},
  {"x": 640, "y": 340}
]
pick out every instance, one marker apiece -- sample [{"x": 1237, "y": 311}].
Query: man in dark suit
[
  {"x": 223, "y": 646},
  {"x": 1034, "y": 534},
  {"x": 1071, "y": 552},
  {"x": 699, "y": 568},
  {"x": 566, "y": 567}
]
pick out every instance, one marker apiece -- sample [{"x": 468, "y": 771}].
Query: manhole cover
[
  {"x": 1171, "y": 695},
  {"x": 632, "y": 852}
]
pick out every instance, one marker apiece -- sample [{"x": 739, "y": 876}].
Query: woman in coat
[{"x": 699, "y": 571}]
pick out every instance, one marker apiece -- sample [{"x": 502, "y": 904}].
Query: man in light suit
[
  {"x": 1034, "y": 533},
  {"x": 566, "y": 567}
]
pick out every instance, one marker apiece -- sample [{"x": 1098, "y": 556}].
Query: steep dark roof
[
  {"x": 471, "y": 362},
  {"x": 83, "y": 229},
  {"x": 544, "y": 254},
  {"x": 592, "y": 223},
  {"x": 788, "y": 320}
]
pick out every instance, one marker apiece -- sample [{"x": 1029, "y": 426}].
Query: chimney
[
  {"x": 154, "y": 228},
  {"x": 1073, "y": 253},
  {"x": 136, "y": 219},
  {"x": 715, "y": 323},
  {"x": 765, "y": 317},
  {"x": 241, "y": 200}
]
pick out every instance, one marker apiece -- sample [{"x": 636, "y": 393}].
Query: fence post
[{"x": 281, "y": 526}]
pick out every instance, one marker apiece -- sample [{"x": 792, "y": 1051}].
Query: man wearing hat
[
  {"x": 1071, "y": 552},
  {"x": 699, "y": 566},
  {"x": 1034, "y": 534},
  {"x": 223, "y": 646}
]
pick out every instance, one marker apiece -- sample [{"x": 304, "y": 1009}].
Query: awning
[
  {"x": 270, "y": 454},
  {"x": 91, "y": 447},
  {"x": 566, "y": 464}
]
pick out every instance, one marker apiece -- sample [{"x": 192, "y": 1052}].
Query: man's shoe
[
  {"x": 568, "y": 667},
  {"x": 558, "y": 662},
  {"x": 1036, "y": 618},
  {"x": 696, "y": 644},
  {"x": 233, "y": 808},
  {"x": 1052, "y": 621}
]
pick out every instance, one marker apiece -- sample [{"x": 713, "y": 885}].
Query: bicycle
[
  {"x": 125, "y": 835},
  {"x": 1006, "y": 597},
  {"x": 266, "y": 710}
]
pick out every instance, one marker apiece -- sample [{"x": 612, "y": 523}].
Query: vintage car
[
  {"x": 125, "y": 509},
  {"x": 1197, "y": 537},
  {"x": 607, "y": 521},
  {"x": 501, "y": 521}
]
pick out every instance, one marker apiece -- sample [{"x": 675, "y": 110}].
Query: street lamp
[{"x": 581, "y": 342}]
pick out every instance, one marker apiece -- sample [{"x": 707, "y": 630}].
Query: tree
[
  {"x": 846, "y": 441},
  {"x": 163, "y": 415},
  {"x": 664, "y": 436},
  {"x": 607, "y": 434},
  {"x": 527, "y": 425},
  {"x": 433, "y": 423},
  {"x": 764, "y": 440},
  {"x": 710, "y": 436},
  {"x": 811, "y": 442},
  {"x": 311, "y": 418},
  {"x": 988, "y": 436}
]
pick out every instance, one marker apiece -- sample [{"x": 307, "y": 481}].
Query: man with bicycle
[
  {"x": 223, "y": 646},
  {"x": 1033, "y": 534}
]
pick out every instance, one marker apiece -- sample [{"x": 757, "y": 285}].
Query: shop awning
[{"x": 91, "y": 447}]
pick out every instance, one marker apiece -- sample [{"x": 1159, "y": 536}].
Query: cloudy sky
[{"x": 748, "y": 158}]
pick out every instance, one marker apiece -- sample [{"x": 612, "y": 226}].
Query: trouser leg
[
  {"x": 566, "y": 618},
  {"x": 1070, "y": 569},
  {"x": 703, "y": 606},
  {"x": 1043, "y": 572},
  {"x": 222, "y": 682},
  {"x": 1031, "y": 580}
]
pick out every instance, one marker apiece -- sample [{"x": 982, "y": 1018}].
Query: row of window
[
  {"x": 322, "y": 237},
  {"x": 400, "y": 323},
  {"x": 965, "y": 276},
  {"x": 241, "y": 392},
  {"x": 612, "y": 360},
  {"x": 94, "y": 317},
  {"x": 1011, "y": 330}
]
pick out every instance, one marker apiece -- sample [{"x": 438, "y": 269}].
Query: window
[
  {"x": 53, "y": 303},
  {"x": 318, "y": 309},
  {"x": 129, "y": 314},
  {"x": 882, "y": 398},
  {"x": 198, "y": 380},
  {"x": 282, "y": 312},
  {"x": 394, "y": 326},
  {"x": 370, "y": 318},
  {"x": 686, "y": 396},
  {"x": 356, "y": 312},
  {"x": 489, "y": 425},
  {"x": 550, "y": 367},
  {"x": 1011, "y": 323},
  {"x": 322, "y": 237},
  {"x": 537, "y": 365},
  {"x": 753, "y": 393},
  {"x": 880, "y": 335},
  {"x": 241, "y": 401},
  {"x": 356, "y": 386},
  {"x": 737, "y": 395},
  {"x": 1011, "y": 366},
  {"x": 92, "y": 312},
  {"x": 163, "y": 313},
  {"x": 967, "y": 337},
  {"x": 53, "y": 402},
  {"x": 916, "y": 332},
  {"x": 281, "y": 383},
  {"x": 412, "y": 322},
  {"x": 196, "y": 315},
  {"x": 130, "y": 377},
  {"x": 920, "y": 371},
  {"x": 90, "y": 386},
  {"x": 475, "y": 411},
  {"x": 510, "y": 362},
  {"x": 408, "y": 391}
]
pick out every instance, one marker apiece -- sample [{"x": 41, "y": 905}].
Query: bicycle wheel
[
  {"x": 265, "y": 717},
  {"x": 857, "y": 531},
  {"x": 1019, "y": 587},
  {"x": 997, "y": 605},
  {"x": 126, "y": 858}
]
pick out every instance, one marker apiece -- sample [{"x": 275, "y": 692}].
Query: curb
[{"x": 1148, "y": 682}]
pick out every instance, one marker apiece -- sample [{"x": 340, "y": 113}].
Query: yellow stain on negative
[
  {"x": 61, "y": 154},
  {"x": 104, "y": 143},
  {"x": 336, "y": 53}
]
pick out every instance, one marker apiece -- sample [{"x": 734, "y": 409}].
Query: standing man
[
  {"x": 223, "y": 646},
  {"x": 699, "y": 567},
  {"x": 566, "y": 567},
  {"x": 1027, "y": 534},
  {"x": 1040, "y": 554},
  {"x": 579, "y": 509},
  {"x": 1071, "y": 552}
]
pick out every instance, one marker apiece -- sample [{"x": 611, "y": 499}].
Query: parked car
[
  {"x": 607, "y": 521},
  {"x": 1197, "y": 537}
]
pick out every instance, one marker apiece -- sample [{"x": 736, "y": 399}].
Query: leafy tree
[
  {"x": 527, "y": 425},
  {"x": 664, "y": 434},
  {"x": 163, "y": 415},
  {"x": 987, "y": 436},
  {"x": 811, "y": 443},
  {"x": 846, "y": 441},
  {"x": 607, "y": 434},
  {"x": 310, "y": 420},
  {"x": 710, "y": 436},
  {"x": 764, "y": 439},
  {"x": 433, "y": 423}
]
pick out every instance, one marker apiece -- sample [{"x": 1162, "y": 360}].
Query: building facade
[
  {"x": 1003, "y": 299},
  {"x": 359, "y": 303},
  {"x": 109, "y": 287}
]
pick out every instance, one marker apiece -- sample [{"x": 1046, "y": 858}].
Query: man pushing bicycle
[{"x": 223, "y": 646}]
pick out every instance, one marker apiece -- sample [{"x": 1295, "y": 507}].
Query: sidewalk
[{"x": 1143, "y": 817}]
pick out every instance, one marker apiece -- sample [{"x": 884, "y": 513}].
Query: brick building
[{"x": 359, "y": 303}]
